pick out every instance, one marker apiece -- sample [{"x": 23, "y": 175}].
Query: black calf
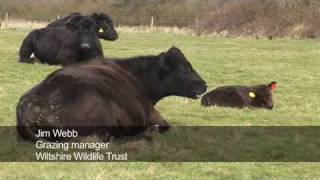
[
  {"x": 63, "y": 45},
  {"x": 104, "y": 24},
  {"x": 241, "y": 96}
]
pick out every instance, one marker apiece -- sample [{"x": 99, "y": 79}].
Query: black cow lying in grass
[
  {"x": 63, "y": 45},
  {"x": 104, "y": 25},
  {"x": 241, "y": 96},
  {"x": 116, "y": 96}
]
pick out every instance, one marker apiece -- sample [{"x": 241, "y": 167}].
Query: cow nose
[
  {"x": 85, "y": 45},
  {"x": 270, "y": 107},
  {"x": 202, "y": 87},
  {"x": 205, "y": 87},
  {"x": 114, "y": 36}
]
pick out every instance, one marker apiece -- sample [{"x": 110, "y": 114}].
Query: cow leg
[{"x": 157, "y": 122}]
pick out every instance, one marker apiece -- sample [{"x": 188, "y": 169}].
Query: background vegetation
[{"x": 258, "y": 18}]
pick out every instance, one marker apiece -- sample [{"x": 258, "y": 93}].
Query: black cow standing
[
  {"x": 73, "y": 43},
  {"x": 241, "y": 96},
  {"x": 116, "y": 96},
  {"x": 104, "y": 24}
]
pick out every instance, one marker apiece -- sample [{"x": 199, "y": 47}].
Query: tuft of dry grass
[
  {"x": 21, "y": 23},
  {"x": 263, "y": 19}
]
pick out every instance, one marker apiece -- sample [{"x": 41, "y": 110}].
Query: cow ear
[
  {"x": 74, "y": 22},
  {"x": 273, "y": 85},
  {"x": 95, "y": 16},
  {"x": 162, "y": 62},
  {"x": 99, "y": 17},
  {"x": 174, "y": 51},
  {"x": 170, "y": 59}
]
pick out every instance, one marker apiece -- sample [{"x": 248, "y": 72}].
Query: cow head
[
  {"x": 262, "y": 95},
  {"x": 177, "y": 76},
  {"x": 85, "y": 27},
  {"x": 105, "y": 27}
]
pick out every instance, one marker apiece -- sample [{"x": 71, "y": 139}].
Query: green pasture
[{"x": 294, "y": 64}]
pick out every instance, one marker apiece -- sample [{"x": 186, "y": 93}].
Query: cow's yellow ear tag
[
  {"x": 100, "y": 30},
  {"x": 252, "y": 94}
]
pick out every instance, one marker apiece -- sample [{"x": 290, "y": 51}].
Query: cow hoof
[
  {"x": 163, "y": 129},
  {"x": 148, "y": 138},
  {"x": 155, "y": 128},
  {"x": 160, "y": 129},
  {"x": 108, "y": 138}
]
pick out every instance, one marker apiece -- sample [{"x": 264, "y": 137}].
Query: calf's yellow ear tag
[
  {"x": 252, "y": 94},
  {"x": 100, "y": 30}
]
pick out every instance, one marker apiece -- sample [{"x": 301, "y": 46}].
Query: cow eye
[
  {"x": 104, "y": 26},
  {"x": 188, "y": 69}
]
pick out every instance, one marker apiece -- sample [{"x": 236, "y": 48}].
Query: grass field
[{"x": 294, "y": 64}]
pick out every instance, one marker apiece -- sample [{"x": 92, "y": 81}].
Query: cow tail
[
  {"x": 24, "y": 127},
  {"x": 26, "y": 49}
]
